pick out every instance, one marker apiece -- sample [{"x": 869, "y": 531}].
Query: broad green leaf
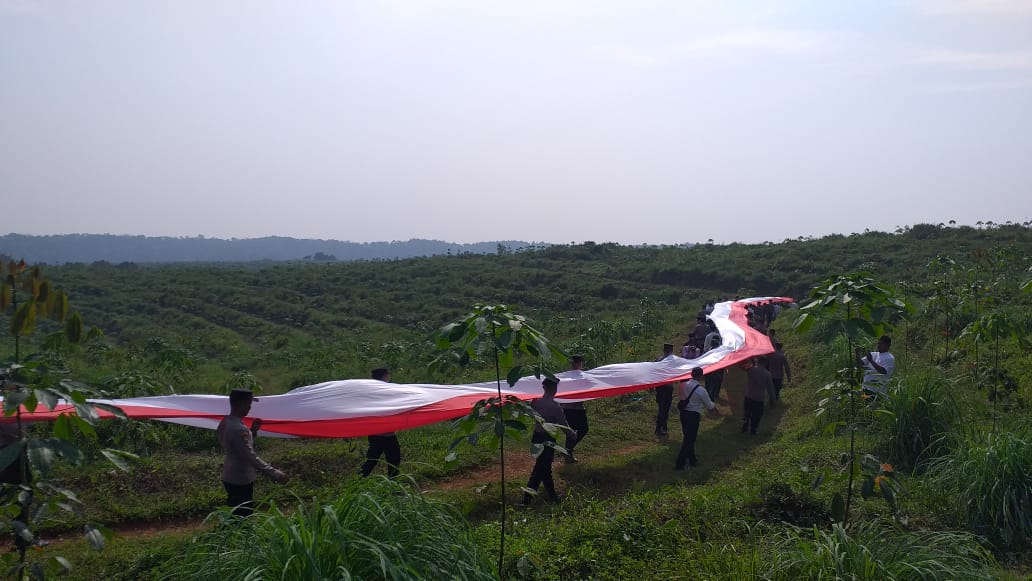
[
  {"x": 111, "y": 409},
  {"x": 13, "y": 400},
  {"x": 64, "y": 563},
  {"x": 514, "y": 375},
  {"x": 480, "y": 324},
  {"x": 76, "y": 395},
  {"x": 95, "y": 537},
  {"x": 505, "y": 339},
  {"x": 87, "y": 412},
  {"x": 803, "y": 322},
  {"x": 31, "y": 402},
  {"x": 73, "y": 328},
  {"x": 867, "y": 488},
  {"x": 41, "y": 455},
  {"x": 48, "y": 397},
  {"x": 447, "y": 332},
  {"x": 85, "y": 427},
  {"x": 11, "y": 453},
  {"x": 118, "y": 458},
  {"x": 6, "y": 296},
  {"x": 70, "y": 452},
  {"x": 838, "y": 507},
  {"x": 62, "y": 427},
  {"x": 24, "y": 319}
]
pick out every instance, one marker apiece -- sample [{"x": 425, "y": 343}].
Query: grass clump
[
  {"x": 377, "y": 529},
  {"x": 917, "y": 419},
  {"x": 989, "y": 476},
  {"x": 876, "y": 550}
]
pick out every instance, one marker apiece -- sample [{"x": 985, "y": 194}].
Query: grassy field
[
  {"x": 756, "y": 507},
  {"x": 627, "y": 511}
]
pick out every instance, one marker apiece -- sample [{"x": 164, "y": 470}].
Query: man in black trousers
[
  {"x": 664, "y": 396},
  {"x": 576, "y": 416},
  {"x": 385, "y": 445}
]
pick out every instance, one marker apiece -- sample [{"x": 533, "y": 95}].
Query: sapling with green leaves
[
  {"x": 494, "y": 332},
  {"x": 992, "y": 328},
  {"x": 29, "y": 492},
  {"x": 857, "y": 308},
  {"x": 944, "y": 299}
]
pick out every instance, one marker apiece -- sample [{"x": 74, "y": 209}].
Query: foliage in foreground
[
  {"x": 377, "y": 529},
  {"x": 989, "y": 477},
  {"x": 877, "y": 551},
  {"x": 917, "y": 420}
]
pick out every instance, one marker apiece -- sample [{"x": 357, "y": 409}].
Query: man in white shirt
[
  {"x": 693, "y": 398},
  {"x": 878, "y": 366}
]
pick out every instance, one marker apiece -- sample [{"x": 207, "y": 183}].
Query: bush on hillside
[
  {"x": 877, "y": 551},
  {"x": 917, "y": 418},
  {"x": 989, "y": 474},
  {"x": 377, "y": 529}
]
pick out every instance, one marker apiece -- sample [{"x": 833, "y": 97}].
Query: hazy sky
[{"x": 555, "y": 121}]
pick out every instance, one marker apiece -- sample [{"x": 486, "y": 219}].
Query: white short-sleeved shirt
[{"x": 874, "y": 381}]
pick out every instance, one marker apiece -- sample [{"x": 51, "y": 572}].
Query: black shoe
[
  {"x": 679, "y": 468},
  {"x": 693, "y": 464},
  {"x": 745, "y": 427}
]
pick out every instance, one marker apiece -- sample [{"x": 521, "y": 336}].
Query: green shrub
[
  {"x": 877, "y": 551},
  {"x": 377, "y": 529},
  {"x": 918, "y": 417},
  {"x": 990, "y": 477}
]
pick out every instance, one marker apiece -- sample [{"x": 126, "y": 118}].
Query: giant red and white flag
[{"x": 360, "y": 407}]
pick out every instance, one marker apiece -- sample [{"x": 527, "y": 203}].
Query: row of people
[
  {"x": 765, "y": 379},
  {"x": 242, "y": 464}
]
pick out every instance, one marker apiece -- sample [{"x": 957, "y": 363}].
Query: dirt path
[{"x": 518, "y": 466}]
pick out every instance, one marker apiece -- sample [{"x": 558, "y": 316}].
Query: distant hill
[{"x": 87, "y": 248}]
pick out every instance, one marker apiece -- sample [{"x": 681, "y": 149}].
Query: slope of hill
[
  {"x": 275, "y": 326},
  {"x": 306, "y": 315}
]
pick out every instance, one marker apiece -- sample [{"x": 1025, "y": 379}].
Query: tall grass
[
  {"x": 377, "y": 529},
  {"x": 917, "y": 418},
  {"x": 874, "y": 550},
  {"x": 989, "y": 476}
]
